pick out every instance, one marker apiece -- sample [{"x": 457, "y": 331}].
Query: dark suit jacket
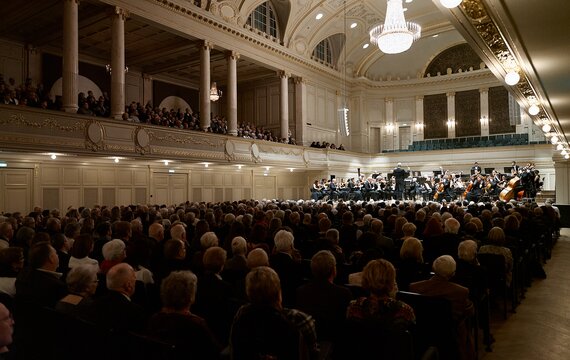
[
  {"x": 290, "y": 273},
  {"x": 38, "y": 287},
  {"x": 115, "y": 311},
  {"x": 456, "y": 294},
  {"x": 327, "y": 303}
]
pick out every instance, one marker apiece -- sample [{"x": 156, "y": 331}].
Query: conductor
[{"x": 400, "y": 175}]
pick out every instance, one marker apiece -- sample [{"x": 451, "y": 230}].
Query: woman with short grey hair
[{"x": 82, "y": 283}]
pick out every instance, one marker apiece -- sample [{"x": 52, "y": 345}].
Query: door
[
  {"x": 405, "y": 137},
  {"x": 169, "y": 188},
  {"x": 16, "y": 190},
  {"x": 265, "y": 187}
]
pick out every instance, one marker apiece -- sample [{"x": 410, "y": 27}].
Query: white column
[
  {"x": 390, "y": 126},
  {"x": 147, "y": 89},
  {"x": 451, "y": 115},
  {"x": 118, "y": 62},
  {"x": 300, "y": 110},
  {"x": 284, "y": 105},
  {"x": 232, "y": 93},
  {"x": 70, "y": 69},
  {"x": 34, "y": 64},
  {"x": 484, "y": 98},
  {"x": 562, "y": 180},
  {"x": 419, "y": 125},
  {"x": 205, "y": 106}
]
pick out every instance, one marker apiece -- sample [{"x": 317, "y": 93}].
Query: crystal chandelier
[
  {"x": 215, "y": 94},
  {"x": 395, "y": 35}
]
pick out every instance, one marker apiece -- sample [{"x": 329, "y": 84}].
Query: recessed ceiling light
[
  {"x": 353, "y": 25},
  {"x": 405, "y": 9},
  {"x": 365, "y": 46},
  {"x": 409, "y": 1},
  {"x": 434, "y": 36},
  {"x": 171, "y": 171},
  {"x": 533, "y": 110},
  {"x": 166, "y": 162},
  {"x": 53, "y": 156},
  {"x": 319, "y": 16},
  {"x": 450, "y": 4},
  {"x": 116, "y": 160}
]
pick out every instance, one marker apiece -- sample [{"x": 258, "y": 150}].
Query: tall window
[
  {"x": 323, "y": 51},
  {"x": 263, "y": 18}
]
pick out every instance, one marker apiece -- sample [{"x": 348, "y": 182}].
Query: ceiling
[{"x": 536, "y": 33}]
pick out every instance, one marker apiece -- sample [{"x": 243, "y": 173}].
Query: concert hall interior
[{"x": 166, "y": 102}]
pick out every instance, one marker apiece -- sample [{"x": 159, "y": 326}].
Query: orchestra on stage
[{"x": 516, "y": 182}]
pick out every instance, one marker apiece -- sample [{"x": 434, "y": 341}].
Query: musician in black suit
[
  {"x": 400, "y": 175},
  {"x": 475, "y": 169},
  {"x": 514, "y": 168}
]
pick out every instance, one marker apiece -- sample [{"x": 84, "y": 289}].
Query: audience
[{"x": 82, "y": 283}]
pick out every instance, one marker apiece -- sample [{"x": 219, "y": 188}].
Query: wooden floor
[{"x": 540, "y": 328}]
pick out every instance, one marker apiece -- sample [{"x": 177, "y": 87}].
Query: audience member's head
[
  {"x": 467, "y": 251},
  {"x": 263, "y": 287},
  {"x": 43, "y": 256},
  {"x": 239, "y": 246},
  {"x": 444, "y": 267},
  {"x": 11, "y": 261},
  {"x": 496, "y": 236},
  {"x": 178, "y": 290},
  {"x": 412, "y": 249},
  {"x": 6, "y": 328},
  {"x": 257, "y": 257},
  {"x": 82, "y": 246},
  {"x": 379, "y": 277},
  {"x": 452, "y": 226},
  {"x": 178, "y": 232},
  {"x": 174, "y": 249},
  {"x": 156, "y": 231},
  {"x": 323, "y": 265},
  {"x": 284, "y": 241},
  {"x": 122, "y": 278},
  {"x": 214, "y": 259},
  {"x": 82, "y": 280},
  {"x": 208, "y": 240},
  {"x": 114, "y": 250}
]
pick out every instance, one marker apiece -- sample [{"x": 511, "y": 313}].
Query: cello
[{"x": 509, "y": 191}]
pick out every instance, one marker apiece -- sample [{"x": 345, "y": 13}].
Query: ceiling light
[
  {"x": 559, "y": 147},
  {"x": 395, "y": 35},
  {"x": 409, "y": 1},
  {"x": 116, "y": 160},
  {"x": 353, "y": 25},
  {"x": 554, "y": 139},
  {"x": 290, "y": 169},
  {"x": 319, "y": 16},
  {"x": 206, "y": 165},
  {"x": 450, "y": 4},
  {"x": 215, "y": 94},
  {"x": 3, "y": 164},
  {"x": 267, "y": 168},
  {"x": 166, "y": 162},
  {"x": 239, "y": 167},
  {"x": 512, "y": 78},
  {"x": 546, "y": 128},
  {"x": 564, "y": 152},
  {"x": 434, "y": 36},
  {"x": 533, "y": 109},
  {"x": 171, "y": 171},
  {"x": 365, "y": 46},
  {"x": 566, "y": 156},
  {"x": 53, "y": 156}
]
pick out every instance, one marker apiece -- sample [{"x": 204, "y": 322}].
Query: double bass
[{"x": 509, "y": 191}]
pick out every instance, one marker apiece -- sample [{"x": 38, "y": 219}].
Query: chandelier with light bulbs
[
  {"x": 395, "y": 35},
  {"x": 215, "y": 94}
]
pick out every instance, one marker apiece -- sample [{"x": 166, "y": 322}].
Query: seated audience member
[
  {"x": 62, "y": 245},
  {"x": 6, "y": 332},
  {"x": 82, "y": 283},
  {"x": 176, "y": 324},
  {"x": 213, "y": 299},
  {"x": 496, "y": 245},
  {"x": 174, "y": 259},
  {"x": 6, "y": 234},
  {"x": 322, "y": 299},
  {"x": 263, "y": 329},
  {"x": 207, "y": 240},
  {"x": 39, "y": 284},
  {"x": 236, "y": 266},
  {"x": 257, "y": 257},
  {"x": 469, "y": 273},
  {"x": 440, "y": 286},
  {"x": 330, "y": 242},
  {"x": 411, "y": 267},
  {"x": 288, "y": 268},
  {"x": 115, "y": 310},
  {"x": 82, "y": 247},
  {"x": 379, "y": 278},
  {"x": 11, "y": 263},
  {"x": 113, "y": 254}
]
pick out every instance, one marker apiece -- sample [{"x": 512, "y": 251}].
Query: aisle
[{"x": 541, "y": 327}]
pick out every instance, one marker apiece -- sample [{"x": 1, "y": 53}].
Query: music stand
[
  {"x": 436, "y": 173},
  {"x": 489, "y": 170},
  {"x": 507, "y": 170}
]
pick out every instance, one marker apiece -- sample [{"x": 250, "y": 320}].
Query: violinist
[
  {"x": 476, "y": 187},
  {"x": 427, "y": 189},
  {"x": 316, "y": 193}
]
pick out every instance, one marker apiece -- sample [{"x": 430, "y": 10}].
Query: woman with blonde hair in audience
[
  {"x": 496, "y": 245},
  {"x": 379, "y": 279},
  {"x": 411, "y": 266}
]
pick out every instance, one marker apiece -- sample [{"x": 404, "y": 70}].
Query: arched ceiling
[{"x": 535, "y": 32}]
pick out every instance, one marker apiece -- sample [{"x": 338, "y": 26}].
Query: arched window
[
  {"x": 323, "y": 51},
  {"x": 263, "y": 18}
]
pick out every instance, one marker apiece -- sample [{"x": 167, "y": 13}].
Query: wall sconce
[
  {"x": 512, "y": 78},
  {"x": 215, "y": 94},
  {"x": 484, "y": 120},
  {"x": 533, "y": 110},
  {"x": 390, "y": 127},
  {"x": 450, "y": 123},
  {"x": 546, "y": 127},
  {"x": 419, "y": 125}
]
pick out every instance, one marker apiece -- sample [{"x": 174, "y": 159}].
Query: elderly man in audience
[
  {"x": 322, "y": 299},
  {"x": 287, "y": 266},
  {"x": 115, "y": 310},
  {"x": 263, "y": 329},
  {"x": 6, "y": 234},
  {"x": 257, "y": 257},
  {"x": 114, "y": 252},
  {"x": 213, "y": 300},
  {"x": 176, "y": 324},
  {"x": 40, "y": 284}
]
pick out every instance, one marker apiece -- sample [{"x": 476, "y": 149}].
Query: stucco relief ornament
[
  {"x": 94, "y": 136},
  {"x": 142, "y": 141},
  {"x": 306, "y": 158},
  {"x": 256, "y": 156},
  {"x": 229, "y": 150}
]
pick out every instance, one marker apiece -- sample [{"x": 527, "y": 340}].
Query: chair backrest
[
  {"x": 495, "y": 266},
  {"x": 434, "y": 324},
  {"x": 369, "y": 339}
]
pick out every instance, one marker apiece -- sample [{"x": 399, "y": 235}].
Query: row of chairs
[{"x": 470, "y": 142}]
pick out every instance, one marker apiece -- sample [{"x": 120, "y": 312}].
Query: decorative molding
[
  {"x": 142, "y": 141},
  {"x": 94, "y": 136},
  {"x": 20, "y": 119},
  {"x": 186, "y": 140}
]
